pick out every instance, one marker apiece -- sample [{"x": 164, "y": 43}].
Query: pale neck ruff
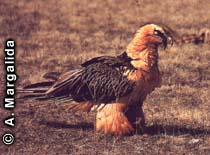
[{"x": 145, "y": 59}]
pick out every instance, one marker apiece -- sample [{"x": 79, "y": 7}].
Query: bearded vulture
[{"x": 116, "y": 85}]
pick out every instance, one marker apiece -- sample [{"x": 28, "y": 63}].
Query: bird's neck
[
  {"x": 145, "y": 59},
  {"x": 144, "y": 54}
]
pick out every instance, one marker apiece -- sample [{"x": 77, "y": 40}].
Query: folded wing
[{"x": 97, "y": 82}]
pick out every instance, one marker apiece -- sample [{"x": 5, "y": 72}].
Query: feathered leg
[
  {"x": 135, "y": 116},
  {"x": 111, "y": 120}
]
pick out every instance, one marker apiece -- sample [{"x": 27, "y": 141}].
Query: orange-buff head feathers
[{"x": 149, "y": 36}]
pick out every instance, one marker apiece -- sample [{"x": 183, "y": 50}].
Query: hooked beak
[{"x": 167, "y": 39}]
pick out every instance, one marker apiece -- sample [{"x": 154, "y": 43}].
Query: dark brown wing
[{"x": 97, "y": 82}]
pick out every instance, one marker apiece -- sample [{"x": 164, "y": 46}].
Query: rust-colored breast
[{"x": 145, "y": 83}]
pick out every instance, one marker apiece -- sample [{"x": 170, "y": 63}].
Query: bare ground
[{"x": 58, "y": 35}]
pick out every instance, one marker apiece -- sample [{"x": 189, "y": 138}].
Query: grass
[{"x": 58, "y": 35}]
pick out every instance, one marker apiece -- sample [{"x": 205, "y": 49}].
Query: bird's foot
[
  {"x": 139, "y": 125},
  {"x": 135, "y": 116}
]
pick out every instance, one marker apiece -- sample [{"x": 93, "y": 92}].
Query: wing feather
[{"x": 97, "y": 82}]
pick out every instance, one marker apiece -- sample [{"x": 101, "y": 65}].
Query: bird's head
[{"x": 150, "y": 36}]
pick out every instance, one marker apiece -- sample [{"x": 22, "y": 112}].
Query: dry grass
[{"x": 58, "y": 35}]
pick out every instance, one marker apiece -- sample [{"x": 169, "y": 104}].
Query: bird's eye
[{"x": 156, "y": 32}]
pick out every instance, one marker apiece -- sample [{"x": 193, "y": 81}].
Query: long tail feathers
[
  {"x": 38, "y": 90},
  {"x": 39, "y": 85},
  {"x": 53, "y": 89},
  {"x": 35, "y": 91}
]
